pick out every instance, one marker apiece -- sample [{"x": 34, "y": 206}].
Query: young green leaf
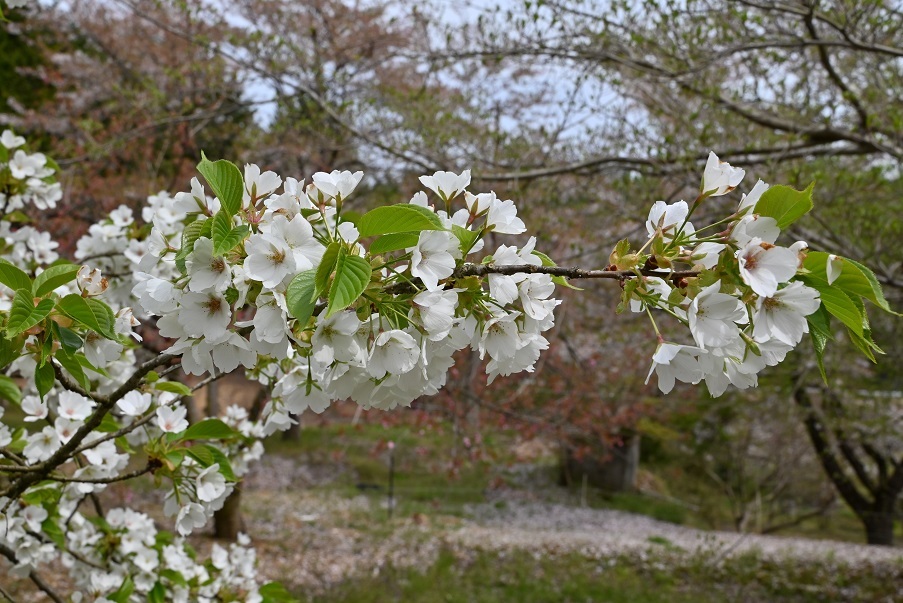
[
  {"x": 225, "y": 237},
  {"x": 96, "y": 316},
  {"x": 73, "y": 367},
  {"x": 13, "y": 277},
  {"x": 173, "y": 387},
  {"x": 208, "y": 429},
  {"x": 394, "y": 242},
  {"x": 273, "y": 592},
  {"x": 398, "y": 218},
  {"x": 44, "y": 378},
  {"x": 24, "y": 314},
  {"x": 68, "y": 338},
  {"x": 854, "y": 278},
  {"x": 54, "y": 277},
  {"x": 324, "y": 270},
  {"x": 466, "y": 238},
  {"x": 300, "y": 296},
  {"x": 785, "y": 204},
  {"x": 225, "y": 180},
  {"x": 838, "y": 304},
  {"x": 352, "y": 274},
  {"x": 9, "y": 390}
]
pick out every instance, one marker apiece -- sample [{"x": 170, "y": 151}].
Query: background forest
[{"x": 584, "y": 112}]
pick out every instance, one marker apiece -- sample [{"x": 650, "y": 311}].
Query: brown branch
[
  {"x": 817, "y": 435},
  {"x": 105, "y": 404},
  {"x": 835, "y": 77},
  {"x": 106, "y": 480},
  {"x": 568, "y": 273},
  {"x": 33, "y": 575}
]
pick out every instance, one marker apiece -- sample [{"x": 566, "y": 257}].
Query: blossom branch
[
  {"x": 64, "y": 453},
  {"x": 148, "y": 468},
  {"x": 569, "y": 273},
  {"x": 142, "y": 421},
  {"x": 33, "y": 576}
]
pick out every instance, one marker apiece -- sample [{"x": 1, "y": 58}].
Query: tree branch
[
  {"x": 569, "y": 273},
  {"x": 33, "y": 575}
]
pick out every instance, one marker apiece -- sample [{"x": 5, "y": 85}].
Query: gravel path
[{"x": 606, "y": 533}]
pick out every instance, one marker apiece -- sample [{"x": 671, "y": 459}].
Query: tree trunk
[
  {"x": 612, "y": 469},
  {"x": 227, "y": 522},
  {"x": 879, "y": 527}
]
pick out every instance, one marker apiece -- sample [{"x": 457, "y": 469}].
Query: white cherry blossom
[
  {"x": 674, "y": 362},
  {"x": 447, "y": 185},
  {"x": 714, "y": 316},
  {"x": 205, "y": 270},
  {"x": 783, "y": 315},
  {"x": 171, "y": 419},
  {"x": 719, "y": 178},
  {"x": 433, "y": 259},
  {"x": 270, "y": 259},
  {"x": 764, "y": 266}
]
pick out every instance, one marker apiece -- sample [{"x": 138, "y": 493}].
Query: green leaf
[
  {"x": 300, "y": 296},
  {"x": 202, "y": 455},
  {"x": 10, "y": 350},
  {"x": 820, "y": 332},
  {"x": 466, "y": 238},
  {"x": 865, "y": 345},
  {"x": 9, "y": 390},
  {"x": 563, "y": 282},
  {"x": 546, "y": 260},
  {"x": 225, "y": 467},
  {"x": 224, "y": 236},
  {"x": 837, "y": 303},
  {"x": 123, "y": 593},
  {"x": 13, "y": 277},
  {"x": 157, "y": 594},
  {"x": 92, "y": 313},
  {"x": 106, "y": 320},
  {"x": 273, "y": 592},
  {"x": 24, "y": 314},
  {"x": 44, "y": 378},
  {"x": 174, "y": 577},
  {"x": 74, "y": 367},
  {"x": 394, "y": 242},
  {"x": 785, "y": 204},
  {"x": 225, "y": 180},
  {"x": 54, "y": 277},
  {"x": 195, "y": 230},
  {"x": 854, "y": 278},
  {"x": 68, "y": 338},
  {"x": 324, "y": 270},
  {"x": 51, "y": 528},
  {"x": 82, "y": 360},
  {"x": 208, "y": 429},
  {"x": 352, "y": 275},
  {"x": 403, "y": 217},
  {"x": 207, "y": 455},
  {"x": 174, "y": 387}
]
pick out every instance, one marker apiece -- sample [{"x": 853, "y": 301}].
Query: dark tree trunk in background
[
  {"x": 227, "y": 522},
  {"x": 869, "y": 480},
  {"x": 611, "y": 468},
  {"x": 879, "y": 528}
]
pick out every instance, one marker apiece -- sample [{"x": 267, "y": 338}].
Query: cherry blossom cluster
[
  {"x": 229, "y": 306},
  {"x": 746, "y": 305}
]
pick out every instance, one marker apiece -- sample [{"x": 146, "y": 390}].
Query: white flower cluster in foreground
[{"x": 276, "y": 278}]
